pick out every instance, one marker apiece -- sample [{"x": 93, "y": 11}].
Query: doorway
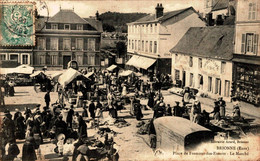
[
  {"x": 183, "y": 79},
  {"x": 66, "y": 60}
]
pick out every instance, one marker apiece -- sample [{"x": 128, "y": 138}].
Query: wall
[{"x": 210, "y": 67}]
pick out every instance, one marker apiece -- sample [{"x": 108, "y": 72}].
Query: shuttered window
[
  {"x": 243, "y": 43},
  {"x": 256, "y": 36}
]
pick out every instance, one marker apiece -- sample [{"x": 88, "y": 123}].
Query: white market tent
[
  {"x": 22, "y": 69},
  {"x": 55, "y": 76},
  {"x": 126, "y": 73},
  {"x": 68, "y": 76},
  {"x": 112, "y": 67}
]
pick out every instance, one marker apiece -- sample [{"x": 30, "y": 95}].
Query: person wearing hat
[
  {"x": 222, "y": 105},
  {"x": 70, "y": 116},
  {"x": 8, "y": 125},
  {"x": 61, "y": 126},
  {"x": 16, "y": 113},
  {"x": 168, "y": 110},
  {"x": 47, "y": 99},
  {"x": 177, "y": 110},
  {"x": 28, "y": 153},
  {"x": 138, "y": 111},
  {"x": 216, "y": 111},
  {"x": 20, "y": 126}
]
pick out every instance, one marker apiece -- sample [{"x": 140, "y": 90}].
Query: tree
[{"x": 108, "y": 28}]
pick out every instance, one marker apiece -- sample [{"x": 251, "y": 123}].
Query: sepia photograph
[{"x": 129, "y": 80}]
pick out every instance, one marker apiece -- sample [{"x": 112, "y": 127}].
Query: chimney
[
  {"x": 159, "y": 10},
  {"x": 209, "y": 20},
  {"x": 219, "y": 20}
]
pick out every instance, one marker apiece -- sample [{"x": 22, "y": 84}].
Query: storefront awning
[
  {"x": 247, "y": 61},
  {"x": 126, "y": 73},
  {"x": 112, "y": 67},
  {"x": 141, "y": 62}
]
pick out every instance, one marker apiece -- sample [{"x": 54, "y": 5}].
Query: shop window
[
  {"x": 191, "y": 61},
  {"x": 252, "y": 11},
  {"x": 177, "y": 74},
  {"x": 66, "y": 44},
  {"x": 91, "y": 44},
  {"x": 218, "y": 86},
  {"x": 209, "y": 84},
  {"x": 223, "y": 67},
  {"x": 249, "y": 43},
  {"x": 54, "y": 43},
  {"x": 79, "y": 59},
  {"x": 191, "y": 79},
  {"x": 155, "y": 47},
  {"x": 227, "y": 88},
  {"x": 54, "y": 59},
  {"x": 2, "y": 56},
  {"x": 25, "y": 59},
  {"x": 200, "y": 63},
  {"x": 151, "y": 47}
]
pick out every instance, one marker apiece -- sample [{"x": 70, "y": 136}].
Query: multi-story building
[
  {"x": 202, "y": 59},
  {"x": 151, "y": 37},
  {"x": 220, "y": 7},
  {"x": 64, "y": 37},
  {"x": 247, "y": 55}
]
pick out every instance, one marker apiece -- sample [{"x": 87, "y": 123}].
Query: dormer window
[
  {"x": 54, "y": 26},
  {"x": 66, "y": 27},
  {"x": 80, "y": 27}
]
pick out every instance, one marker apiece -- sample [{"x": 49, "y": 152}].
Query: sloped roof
[
  {"x": 66, "y": 16},
  {"x": 95, "y": 23},
  {"x": 210, "y": 42},
  {"x": 165, "y": 16},
  {"x": 220, "y": 4}
]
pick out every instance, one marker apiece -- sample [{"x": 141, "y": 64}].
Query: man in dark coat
[
  {"x": 151, "y": 99},
  {"x": 29, "y": 150},
  {"x": 82, "y": 130},
  {"x": 47, "y": 99},
  {"x": 138, "y": 110},
  {"x": 92, "y": 109},
  {"x": 12, "y": 150},
  {"x": 168, "y": 110},
  {"x": 8, "y": 126},
  {"x": 20, "y": 126},
  {"x": 61, "y": 126},
  {"x": 70, "y": 116},
  {"x": 177, "y": 110}
]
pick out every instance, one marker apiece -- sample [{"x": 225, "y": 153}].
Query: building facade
[
  {"x": 220, "y": 7},
  {"x": 65, "y": 37},
  {"x": 202, "y": 60},
  {"x": 247, "y": 55},
  {"x": 151, "y": 37}
]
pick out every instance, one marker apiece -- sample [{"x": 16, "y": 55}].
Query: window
[
  {"x": 227, "y": 87},
  {"x": 129, "y": 44},
  {"x": 2, "y": 56},
  {"x": 79, "y": 44},
  {"x": 80, "y": 27},
  {"x": 218, "y": 86},
  {"x": 209, "y": 84},
  {"x": 25, "y": 59},
  {"x": 41, "y": 43},
  {"x": 147, "y": 28},
  {"x": 139, "y": 45},
  {"x": 91, "y": 60},
  {"x": 66, "y": 27},
  {"x": 151, "y": 28},
  {"x": 223, "y": 67},
  {"x": 79, "y": 59},
  {"x": 177, "y": 74},
  {"x": 200, "y": 77},
  {"x": 191, "y": 79},
  {"x": 66, "y": 44},
  {"x": 54, "y": 26},
  {"x": 252, "y": 11},
  {"x": 41, "y": 59},
  {"x": 249, "y": 43},
  {"x": 142, "y": 45},
  {"x": 54, "y": 59},
  {"x": 155, "y": 28},
  {"x": 14, "y": 57},
  {"x": 135, "y": 44},
  {"x": 155, "y": 47},
  {"x": 151, "y": 47},
  {"x": 91, "y": 44},
  {"x": 191, "y": 61},
  {"x": 200, "y": 62},
  {"x": 176, "y": 58},
  {"x": 54, "y": 43},
  {"x": 146, "y": 46}
]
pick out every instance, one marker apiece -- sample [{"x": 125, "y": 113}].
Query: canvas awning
[
  {"x": 36, "y": 73},
  {"x": 126, "y": 73},
  {"x": 89, "y": 74},
  {"x": 68, "y": 76},
  {"x": 247, "y": 61},
  {"x": 112, "y": 67},
  {"x": 22, "y": 69},
  {"x": 55, "y": 76},
  {"x": 141, "y": 62}
]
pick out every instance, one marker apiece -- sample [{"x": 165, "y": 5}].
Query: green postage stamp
[{"x": 17, "y": 26}]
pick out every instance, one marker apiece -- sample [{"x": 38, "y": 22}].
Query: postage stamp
[{"x": 17, "y": 24}]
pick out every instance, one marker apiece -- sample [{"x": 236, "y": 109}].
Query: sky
[{"x": 86, "y": 8}]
